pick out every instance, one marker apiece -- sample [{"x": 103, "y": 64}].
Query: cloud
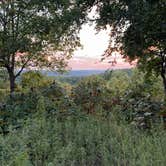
[{"x": 92, "y": 63}]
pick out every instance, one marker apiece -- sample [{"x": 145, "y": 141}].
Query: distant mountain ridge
[
  {"x": 74, "y": 73},
  {"x": 78, "y": 73}
]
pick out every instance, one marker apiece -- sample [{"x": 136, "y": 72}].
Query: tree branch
[{"x": 23, "y": 66}]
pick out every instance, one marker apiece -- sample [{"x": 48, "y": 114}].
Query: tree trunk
[
  {"x": 12, "y": 81},
  {"x": 164, "y": 84},
  {"x": 163, "y": 70},
  {"x": 12, "y": 77}
]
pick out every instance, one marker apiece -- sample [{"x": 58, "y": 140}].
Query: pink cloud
[{"x": 92, "y": 63}]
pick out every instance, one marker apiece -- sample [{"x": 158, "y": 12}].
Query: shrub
[
  {"x": 142, "y": 102},
  {"x": 34, "y": 79},
  {"x": 23, "y": 105},
  {"x": 89, "y": 93},
  {"x": 118, "y": 83}
]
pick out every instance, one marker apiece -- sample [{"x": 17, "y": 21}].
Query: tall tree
[
  {"x": 36, "y": 33},
  {"x": 138, "y": 31}
]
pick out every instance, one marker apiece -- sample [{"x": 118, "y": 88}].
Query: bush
[
  {"x": 118, "y": 83},
  {"x": 23, "y": 105},
  {"x": 89, "y": 93},
  {"x": 34, "y": 79},
  {"x": 142, "y": 101}
]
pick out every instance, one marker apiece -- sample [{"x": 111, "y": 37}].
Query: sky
[{"x": 94, "y": 44}]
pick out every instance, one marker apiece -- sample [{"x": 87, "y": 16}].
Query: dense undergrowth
[
  {"x": 83, "y": 141},
  {"x": 111, "y": 119}
]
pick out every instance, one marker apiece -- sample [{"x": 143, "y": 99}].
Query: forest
[{"x": 116, "y": 118}]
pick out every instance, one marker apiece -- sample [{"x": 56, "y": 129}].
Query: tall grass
[{"x": 82, "y": 141}]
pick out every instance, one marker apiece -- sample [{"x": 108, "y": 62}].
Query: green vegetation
[
  {"x": 81, "y": 141},
  {"x": 89, "y": 93},
  {"x": 138, "y": 31},
  {"x": 116, "y": 118},
  {"x": 97, "y": 121},
  {"x": 30, "y": 31}
]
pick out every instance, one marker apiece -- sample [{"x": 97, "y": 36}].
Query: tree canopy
[
  {"x": 37, "y": 33},
  {"x": 138, "y": 31}
]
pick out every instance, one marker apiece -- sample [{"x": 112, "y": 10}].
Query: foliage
[
  {"x": 34, "y": 79},
  {"x": 137, "y": 97},
  {"x": 147, "y": 85},
  {"x": 141, "y": 109},
  {"x": 89, "y": 93},
  {"x": 49, "y": 124},
  {"x": 133, "y": 95},
  {"x": 70, "y": 80},
  {"x": 142, "y": 99},
  {"x": 77, "y": 141},
  {"x": 24, "y": 104},
  {"x": 46, "y": 123},
  {"x": 30, "y": 37},
  {"x": 137, "y": 31},
  {"x": 118, "y": 83},
  {"x": 4, "y": 83}
]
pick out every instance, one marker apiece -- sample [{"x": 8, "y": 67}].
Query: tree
[
  {"x": 37, "y": 33},
  {"x": 138, "y": 31}
]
